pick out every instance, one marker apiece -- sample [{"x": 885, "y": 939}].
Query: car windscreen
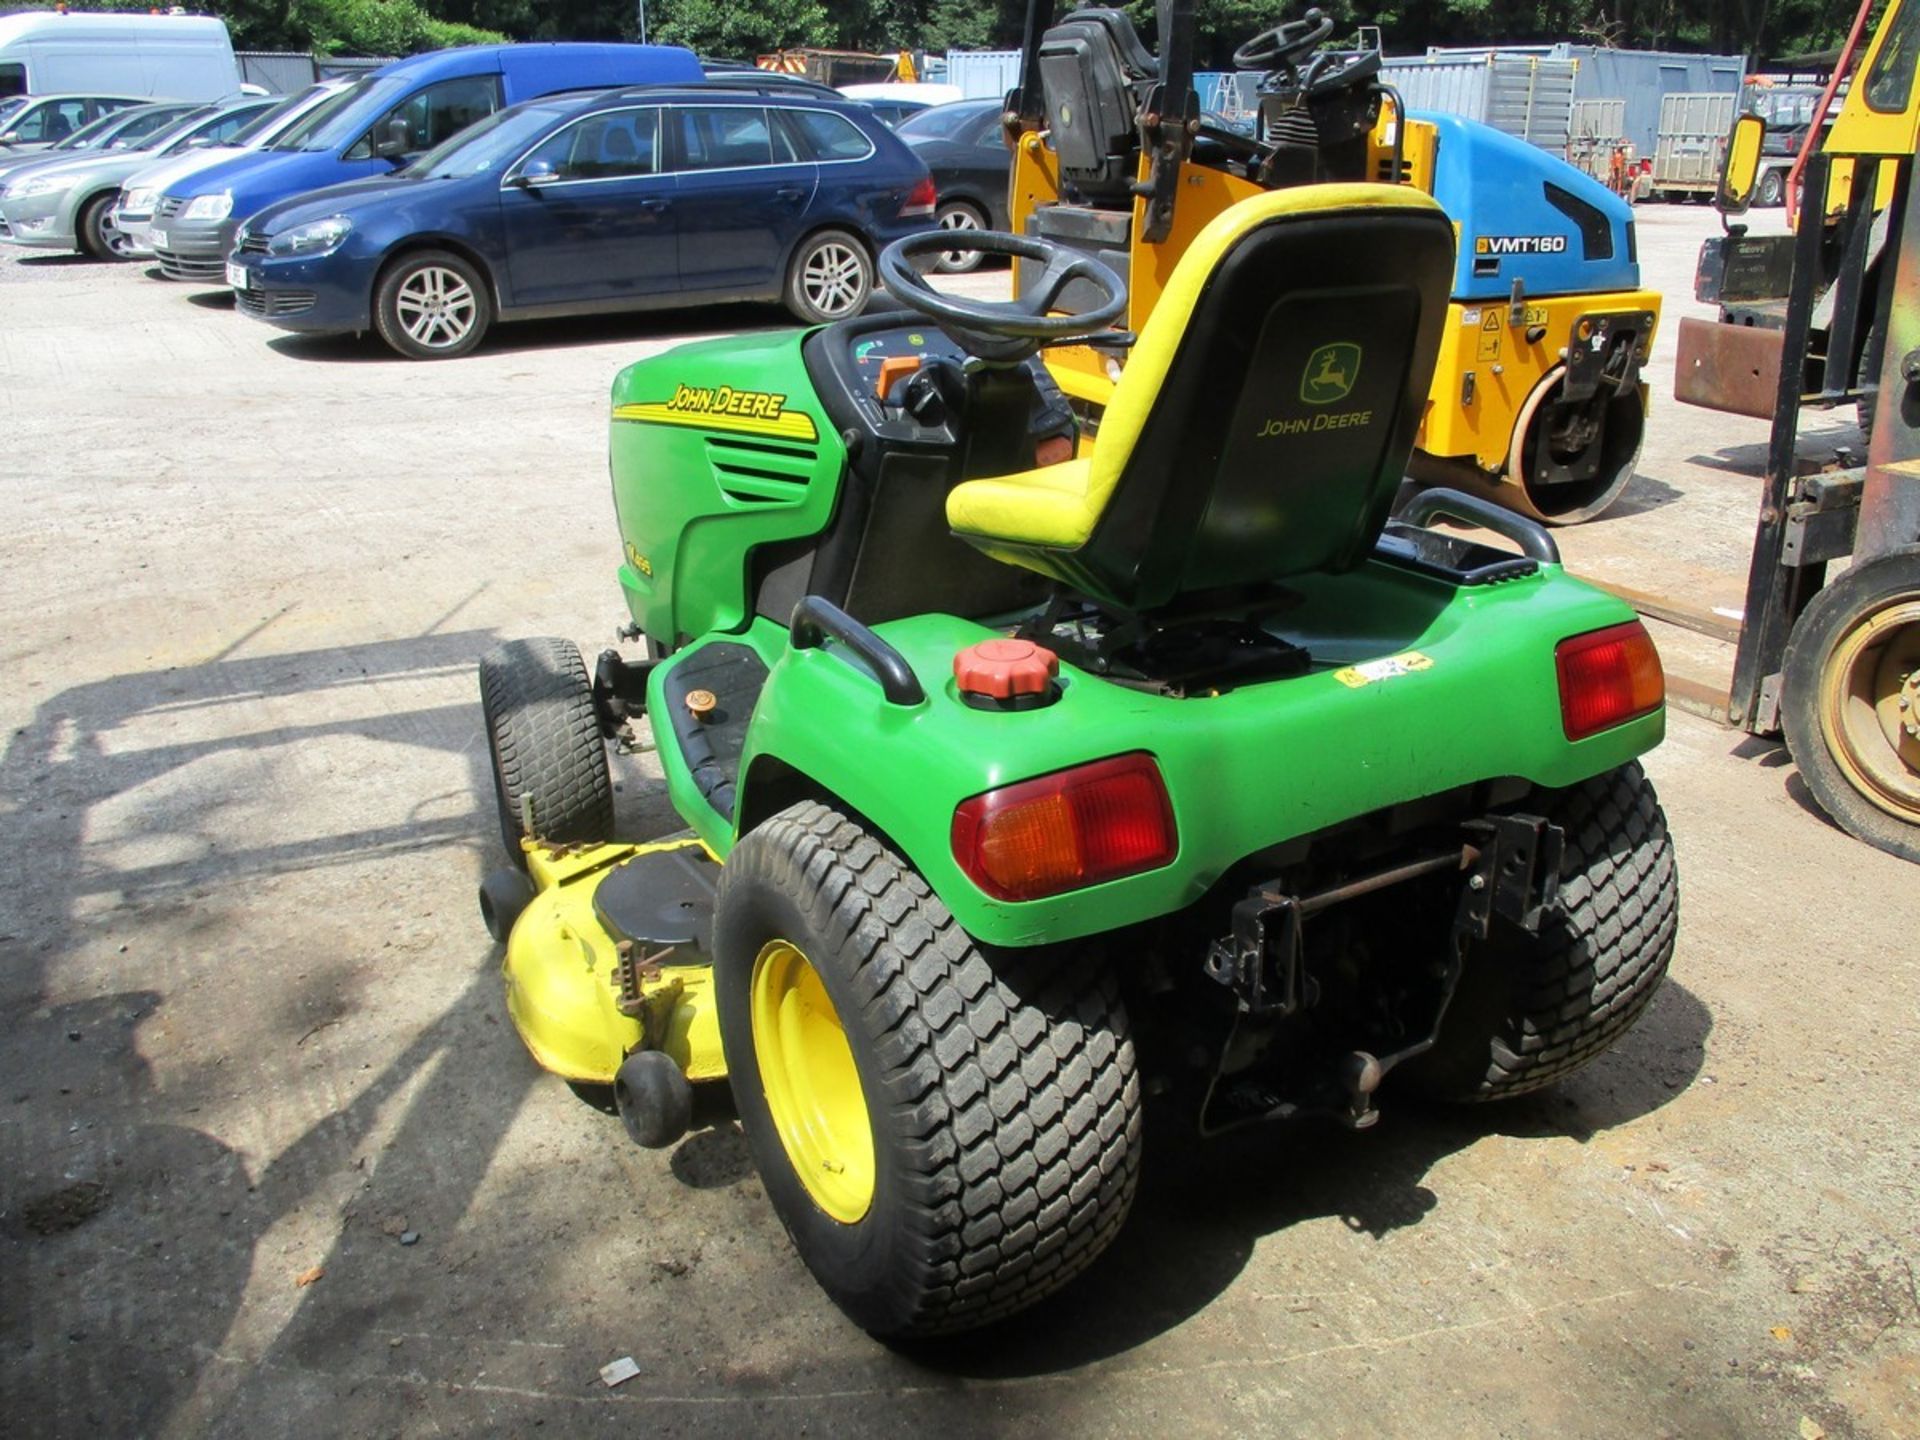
[
  {"x": 942, "y": 122},
  {"x": 87, "y": 136},
  {"x": 487, "y": 144},
  {"x": 8, "y": 108},
  {"x": 263, "y": 124},
  {"x": 152, "y": 126},
  {"x": 175, "y": 131},
  {"x": 340, "y": 120}
]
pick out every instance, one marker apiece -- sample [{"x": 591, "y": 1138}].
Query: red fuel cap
[{"x": 1005, "y": 669}]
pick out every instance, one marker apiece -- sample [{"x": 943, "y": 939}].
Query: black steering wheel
[
  {"x": 1284, "y": 44},
  {"x": 1004, "y": 332},
  {"x": 1339, "y": 69}
]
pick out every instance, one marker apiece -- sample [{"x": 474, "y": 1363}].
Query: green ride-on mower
[{"x": 1026, "y": 777}]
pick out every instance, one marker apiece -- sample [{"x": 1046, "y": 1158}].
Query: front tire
[
  {"x": 1850, "y": 701},
  {"x": 1771, "y": 190},
  {"x": 432, "y": 305},
  {"x": 829, "y": 278},
  {"x": 1532, "y": 1009},
  {"x": 544, "y": 742},
  {"x": 959, "y": 216},
  {"x": 94, "y": 230},
  {"x": 947, "y": 1138}
]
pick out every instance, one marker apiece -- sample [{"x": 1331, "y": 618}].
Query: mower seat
[
  {"x": 1265, "y": 417},
  {"x": 1093, "y": 74}
]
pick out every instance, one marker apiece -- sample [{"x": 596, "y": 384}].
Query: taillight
[
  {"x": 921, "y": 199},
  {"x": 1608, "y": 677},
  {"x": 1066, "y": 830}
]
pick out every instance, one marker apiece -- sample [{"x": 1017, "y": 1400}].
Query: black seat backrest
[
  {"x": 1272, "y": 434},
  {"x": 1093, "y": 74}
]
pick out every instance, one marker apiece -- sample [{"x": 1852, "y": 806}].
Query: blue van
[{"x": 379, "y": 124}]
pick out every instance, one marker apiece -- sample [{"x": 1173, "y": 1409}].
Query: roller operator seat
[{"x": 1265, "y": 416}]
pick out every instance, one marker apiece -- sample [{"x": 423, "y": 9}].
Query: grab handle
[
  {"x": 815, "y": 619},
  {"x": 1530, "y": 535}
]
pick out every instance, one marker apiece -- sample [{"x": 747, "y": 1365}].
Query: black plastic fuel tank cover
[{"x": 659, "y": 899}]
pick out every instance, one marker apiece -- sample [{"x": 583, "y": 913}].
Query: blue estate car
[
  {"x": 381, "y": 122},
  {"x": 623, "y": 200}
]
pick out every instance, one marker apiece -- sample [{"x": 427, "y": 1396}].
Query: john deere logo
[{"x": 1330, "y": 373}]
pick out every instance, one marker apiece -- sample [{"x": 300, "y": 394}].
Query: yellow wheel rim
[
  {"x": 1870, "y": 707},
  {"x": 812, "y": 1086}
]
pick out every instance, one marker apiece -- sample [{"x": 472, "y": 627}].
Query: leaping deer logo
[{"x": 1330, "y": 373}]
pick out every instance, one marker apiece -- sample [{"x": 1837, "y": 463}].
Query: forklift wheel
[
  {"x": 1532, "y": 1009},
  {"x": 1850, "y": 701},
  {"x": 544, "y": 741},
  {"x": 947, "y": 1138}
]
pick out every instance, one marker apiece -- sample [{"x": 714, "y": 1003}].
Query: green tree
[{"x": 730, "y": 29}]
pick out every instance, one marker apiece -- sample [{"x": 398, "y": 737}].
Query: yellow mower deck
[{"x": 583, "y": 1000}]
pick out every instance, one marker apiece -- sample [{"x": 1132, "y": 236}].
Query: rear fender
[{"x": 1246, "y": 770}]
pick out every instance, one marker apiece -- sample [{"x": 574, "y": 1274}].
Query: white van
[{"x": 176, "y": 57}]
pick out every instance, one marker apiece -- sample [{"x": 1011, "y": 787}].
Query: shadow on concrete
[
  {"x": 1643, "y": 493},
  {"x": 529, "y": 336},
  {"x": 1770, "y": 752},
  {"x": 115, "y": 1324},
  {"x": 1204, "y": 1205}
]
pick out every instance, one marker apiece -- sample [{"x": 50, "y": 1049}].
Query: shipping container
[
  {"x": 1528, "y": 96},
  {"x": 1642, "y": 78},
  {"x": 1599, "y": 128},
  {"x": 1691, "y": 144},
  {"x": 278, "y": 72},
  {"x": 983, "y": 74}
]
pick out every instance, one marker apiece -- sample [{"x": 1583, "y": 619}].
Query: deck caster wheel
[
  {"x": 654, "y": 1099},
  {"x": 503, "y": 895},
  {"x": 947, "y": 1137}
]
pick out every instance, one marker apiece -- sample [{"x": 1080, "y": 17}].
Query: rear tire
[
  {"x": 545, "y": 745},
  {"x": 1771, "y": 190},
  {"x": 1853, "y": 657},
  {"x": 432, "y": 305},
  {"x": 958, "y": 1136},
  {"x": 829, "y": 278},
  {"x": 1532, "y": 1009}
]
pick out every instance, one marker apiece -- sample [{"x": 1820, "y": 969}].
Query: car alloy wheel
[
  {"x": 959, "y": 217},
  {"x": 834, "y": 279},
  {"x": 436, "y": 307}
]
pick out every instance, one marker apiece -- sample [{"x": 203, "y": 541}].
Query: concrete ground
[{"x": 272, "y": 1160}]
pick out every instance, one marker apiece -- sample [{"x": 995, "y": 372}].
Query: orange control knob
[{"x": 1005, "y": 670}]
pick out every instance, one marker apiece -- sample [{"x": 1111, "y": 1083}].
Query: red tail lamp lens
[
  {"x": 1608, "y": 677},
  {"x": 921, "y": 199},
  {"x": 1066, "y": 830}
]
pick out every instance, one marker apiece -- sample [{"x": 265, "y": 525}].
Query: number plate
[
  {"x": 237, "y": 276},
  {"x": 156, "y": 238}
]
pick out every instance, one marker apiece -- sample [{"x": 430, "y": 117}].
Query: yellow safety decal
[
  {"x": 1489, "y": 348},
  {"x": 1354, "y": 676},
  {"x": 740, "y": 412}
]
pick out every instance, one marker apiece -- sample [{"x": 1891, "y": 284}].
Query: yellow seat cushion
[
  {"x": 1052, "y": 506},
  {"x": 1056, "y": 507}
]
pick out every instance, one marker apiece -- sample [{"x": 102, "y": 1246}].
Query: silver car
[
  {"x": 43, "y": 121},
  {"x": 68, "y": 205},
  {"x": 124, "y": 128}
]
